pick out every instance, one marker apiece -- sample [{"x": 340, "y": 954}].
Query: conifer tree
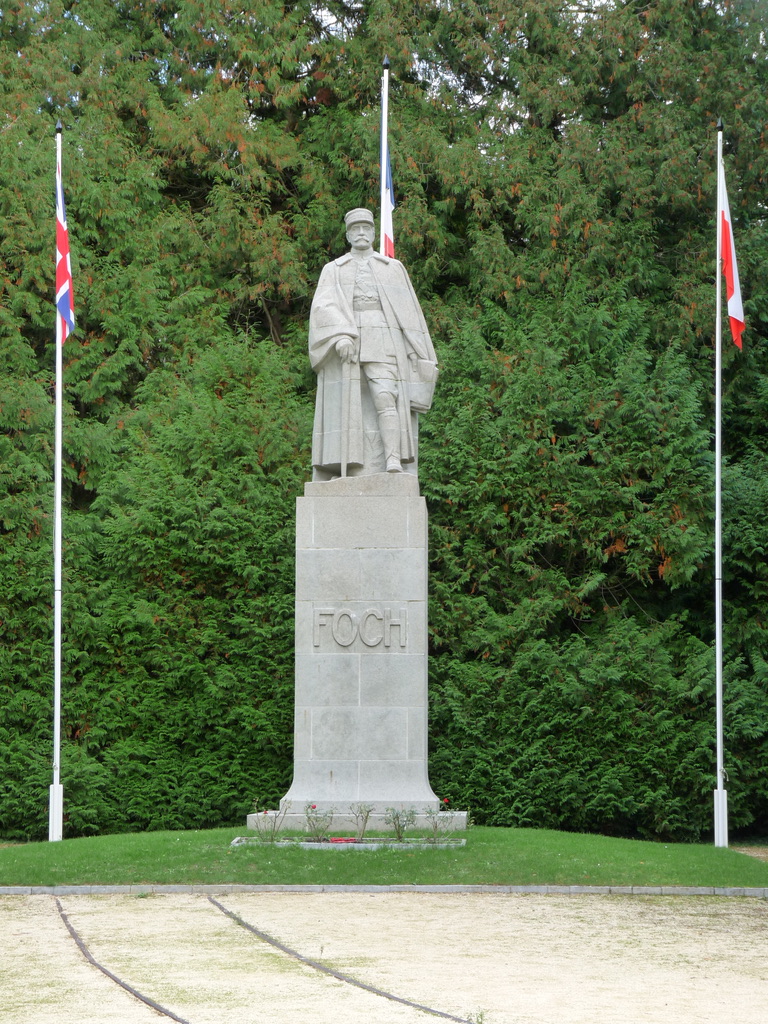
[{"x": 555, "y": 177}]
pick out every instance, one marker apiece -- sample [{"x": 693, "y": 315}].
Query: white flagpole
[
  {"x": 720, "y": 794},
  {"x": 384, "y": 150},
  {"x": 56, "y": 793}
]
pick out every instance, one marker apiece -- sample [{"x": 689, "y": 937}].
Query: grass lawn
[{"x": 492, "y": 856}]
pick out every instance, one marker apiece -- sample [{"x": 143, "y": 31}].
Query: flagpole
[
  {"x": 384, "y": 158},
  {"x": 720, "y": 794},
  {"x": 56, "y": 792}
]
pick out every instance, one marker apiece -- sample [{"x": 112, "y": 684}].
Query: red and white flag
[
  {"x": 65, "y": 303},
  {"x": 731, "y": 271}
]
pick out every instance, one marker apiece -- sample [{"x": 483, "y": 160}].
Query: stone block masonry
[{"x": 360, "y": 731}]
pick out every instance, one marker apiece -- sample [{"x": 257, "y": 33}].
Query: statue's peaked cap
[{"x": 358, "y": 215}]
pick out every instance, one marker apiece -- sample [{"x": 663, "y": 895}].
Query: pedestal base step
[{"x": 296, "y": 821}]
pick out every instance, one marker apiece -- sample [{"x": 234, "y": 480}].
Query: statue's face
[{"x": 361, "y": 235}]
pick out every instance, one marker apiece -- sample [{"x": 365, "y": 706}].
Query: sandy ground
[{"x": 495, "y": 959}]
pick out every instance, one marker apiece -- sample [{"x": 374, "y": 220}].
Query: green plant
[
  {"x": 399, "y": 820},
  {"x": 360, "y": 813},
  {"x": 442, "y": 823},
  {"x": 318, "y": 823},
  {"x": 557, "y": 222},
  {"x": 269, "y": 824}
]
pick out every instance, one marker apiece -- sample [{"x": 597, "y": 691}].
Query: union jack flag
[{"x": 65, "y": 302}]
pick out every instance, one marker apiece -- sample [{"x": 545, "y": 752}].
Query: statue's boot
[{"x": 389, "y": 428}]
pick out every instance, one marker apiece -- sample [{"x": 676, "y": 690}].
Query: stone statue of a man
[{"x": 375, "y": 363}]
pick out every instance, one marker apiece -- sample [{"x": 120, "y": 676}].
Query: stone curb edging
[{"x": 544, "y": 890}]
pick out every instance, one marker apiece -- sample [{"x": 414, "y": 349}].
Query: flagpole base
[
  {"x": 721, "y": 817},
  {"x": 55, "y": 813}
]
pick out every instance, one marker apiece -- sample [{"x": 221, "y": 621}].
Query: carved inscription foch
[{"x": 384, "y": 626}]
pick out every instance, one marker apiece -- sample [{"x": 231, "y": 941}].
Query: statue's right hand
[{"x": 346, "y": 350}]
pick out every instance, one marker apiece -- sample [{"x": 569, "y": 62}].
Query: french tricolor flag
[
  {"x": 387, "y": 234},
  {"x": 387, "y": 207}
]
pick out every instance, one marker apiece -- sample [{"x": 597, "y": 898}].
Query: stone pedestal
[{"x": 361, "y": 650}]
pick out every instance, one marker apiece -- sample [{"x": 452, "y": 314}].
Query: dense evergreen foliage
[{"x": 555, "y": 171}]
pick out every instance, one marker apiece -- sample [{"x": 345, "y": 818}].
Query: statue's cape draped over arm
[
  {"x": 338, "y": 384},
  {"x": 331, "y": 316},
  {"x": 401, "y": 305}
]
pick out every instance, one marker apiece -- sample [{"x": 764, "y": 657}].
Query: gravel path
[{"x": 500, "y": 959}]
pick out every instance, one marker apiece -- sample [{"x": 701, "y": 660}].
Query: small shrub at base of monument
[
  {"x": 269, "y": 824},
  {"x": 441, "y": 823},
  {"x": 360, "y": 813},
  {"x": 399, "y": 820},
  {"x": 318, "y": 822}
]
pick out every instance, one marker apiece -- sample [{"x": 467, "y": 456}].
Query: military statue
[{"x": 375, "y": 364}]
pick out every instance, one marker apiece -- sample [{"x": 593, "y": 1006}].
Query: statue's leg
[{"x": 382, "y": 386}]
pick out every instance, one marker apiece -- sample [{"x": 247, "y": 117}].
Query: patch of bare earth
[{"x": 761, "y": 852}]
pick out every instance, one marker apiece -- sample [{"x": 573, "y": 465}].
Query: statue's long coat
[{"x": 330, "y": 318}]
